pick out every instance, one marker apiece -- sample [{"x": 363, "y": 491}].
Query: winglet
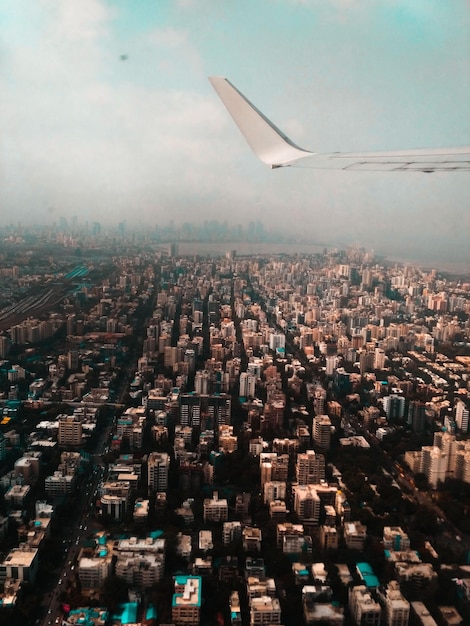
[{"x": 269, "y": 143}]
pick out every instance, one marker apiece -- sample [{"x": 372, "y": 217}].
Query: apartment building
[
  {"x": 310, "y": 467},
  {"x": 396, "y": 609},
  {"x": 364, "y": 609},
  {"x": 187, "y": 599},
  {"x": 215, "y": 509},
  {"x": 70, "y": 431},
  {"x": 158, "y": 465},
  {"x": 21, "y": 564}
]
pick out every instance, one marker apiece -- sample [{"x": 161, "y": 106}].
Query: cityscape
[
  {"x": 235, "y": 359},
  {"x": 243, "y": 439}
]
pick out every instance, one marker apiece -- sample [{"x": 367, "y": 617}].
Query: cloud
[
  {"x": 86, "y": 20},
  {"x": 80, "y": 136}
]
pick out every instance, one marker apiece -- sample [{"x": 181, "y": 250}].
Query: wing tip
[{"x": 267, "y": 141}]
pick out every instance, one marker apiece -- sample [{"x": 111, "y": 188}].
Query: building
[
  {"x": 394, "y": 407},
  {"x": 235, "y": 610},
  {"x": 329, "y": 537},
  {"x": 396, "y": 608},
  {"x": 247, "y": 385},
  {"x": 140, "y": 570},
  {"x": 113, "y": 506},
  {"x": 59, "y": 484},
  {"x": 450, "y": 616},
  {"x": 186, "y": 602},
  {"x": 307, "y": 503},
  {"x": 205, "y": 540},
  {"x": 265, "y": 611},
  {"x": 93, "y": 571},
  {"x": 278, "y": 510},
  {"x": 20, "y": 564},
  {"x": 317, "y": 608},
  {"x": 70, "y": 431},
  {"x": 395, "y": 539},
  {"x": 461, "y": 416},
  {"x": 17, "y": 494},
  {"x": 231, "y": 531},
  {"x": 158, "y": 466},
  {"x": 355, "y": 535},
  {"x": 251, "y": 538},
  {"x": 215, "y": 510},
  {"x": 310, "y": 467},
  {"x": 322, "y": 431},
  {"x": 274, "y": 490},
  {"x": 421, "y": 615},
  {"x": 365, "y": 611}
]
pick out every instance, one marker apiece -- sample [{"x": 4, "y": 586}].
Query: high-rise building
[
  {"x": 219, "y": 408},
  {"x": 307, "y": 503},
  {"x": 158, "y": 466},
  {"x": 379, "y": 359},
  {"x": 190, "y": 409},
  {"x": 461, "y": 416},
  {"x": 310, "y": 467},
  {"x": 70, "y": 431},
  {"x": 247, "y": 385},
  {"x": 417, "y": 416},
  {"x": 394, "y": 407},
  {"x": 322, "y": 431}
]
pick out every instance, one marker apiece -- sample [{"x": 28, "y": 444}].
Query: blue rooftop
[
  {"x": 128, "y": 614},
  {"x": 367, "y": 574}
]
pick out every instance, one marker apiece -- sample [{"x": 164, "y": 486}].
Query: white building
[
  {"x": 20, "y": 564},
  {"x": 215, "y": 510},
  {"x": 364, "y": 609},
  {"x": 396, "y": 607}
]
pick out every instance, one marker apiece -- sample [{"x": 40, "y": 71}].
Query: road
[{"x": 73, "y": 536}]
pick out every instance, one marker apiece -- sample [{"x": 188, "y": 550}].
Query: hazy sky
[{"x": 106, "y": 113}]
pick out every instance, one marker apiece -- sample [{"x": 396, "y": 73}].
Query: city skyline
[{"x": 108, "y": 114}]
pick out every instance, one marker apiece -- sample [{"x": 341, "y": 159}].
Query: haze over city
[{"x": 108, "y": 115}]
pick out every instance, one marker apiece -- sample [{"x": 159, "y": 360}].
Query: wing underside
[{"x": 275, "y": 149}]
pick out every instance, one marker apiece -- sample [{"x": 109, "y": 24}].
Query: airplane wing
[{"x": 275, "y": 149}]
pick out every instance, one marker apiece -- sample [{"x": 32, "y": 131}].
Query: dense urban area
[{"x": 229, "y": 440}]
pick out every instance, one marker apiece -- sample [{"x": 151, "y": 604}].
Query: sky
[{"x": 106, "y": 113}]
